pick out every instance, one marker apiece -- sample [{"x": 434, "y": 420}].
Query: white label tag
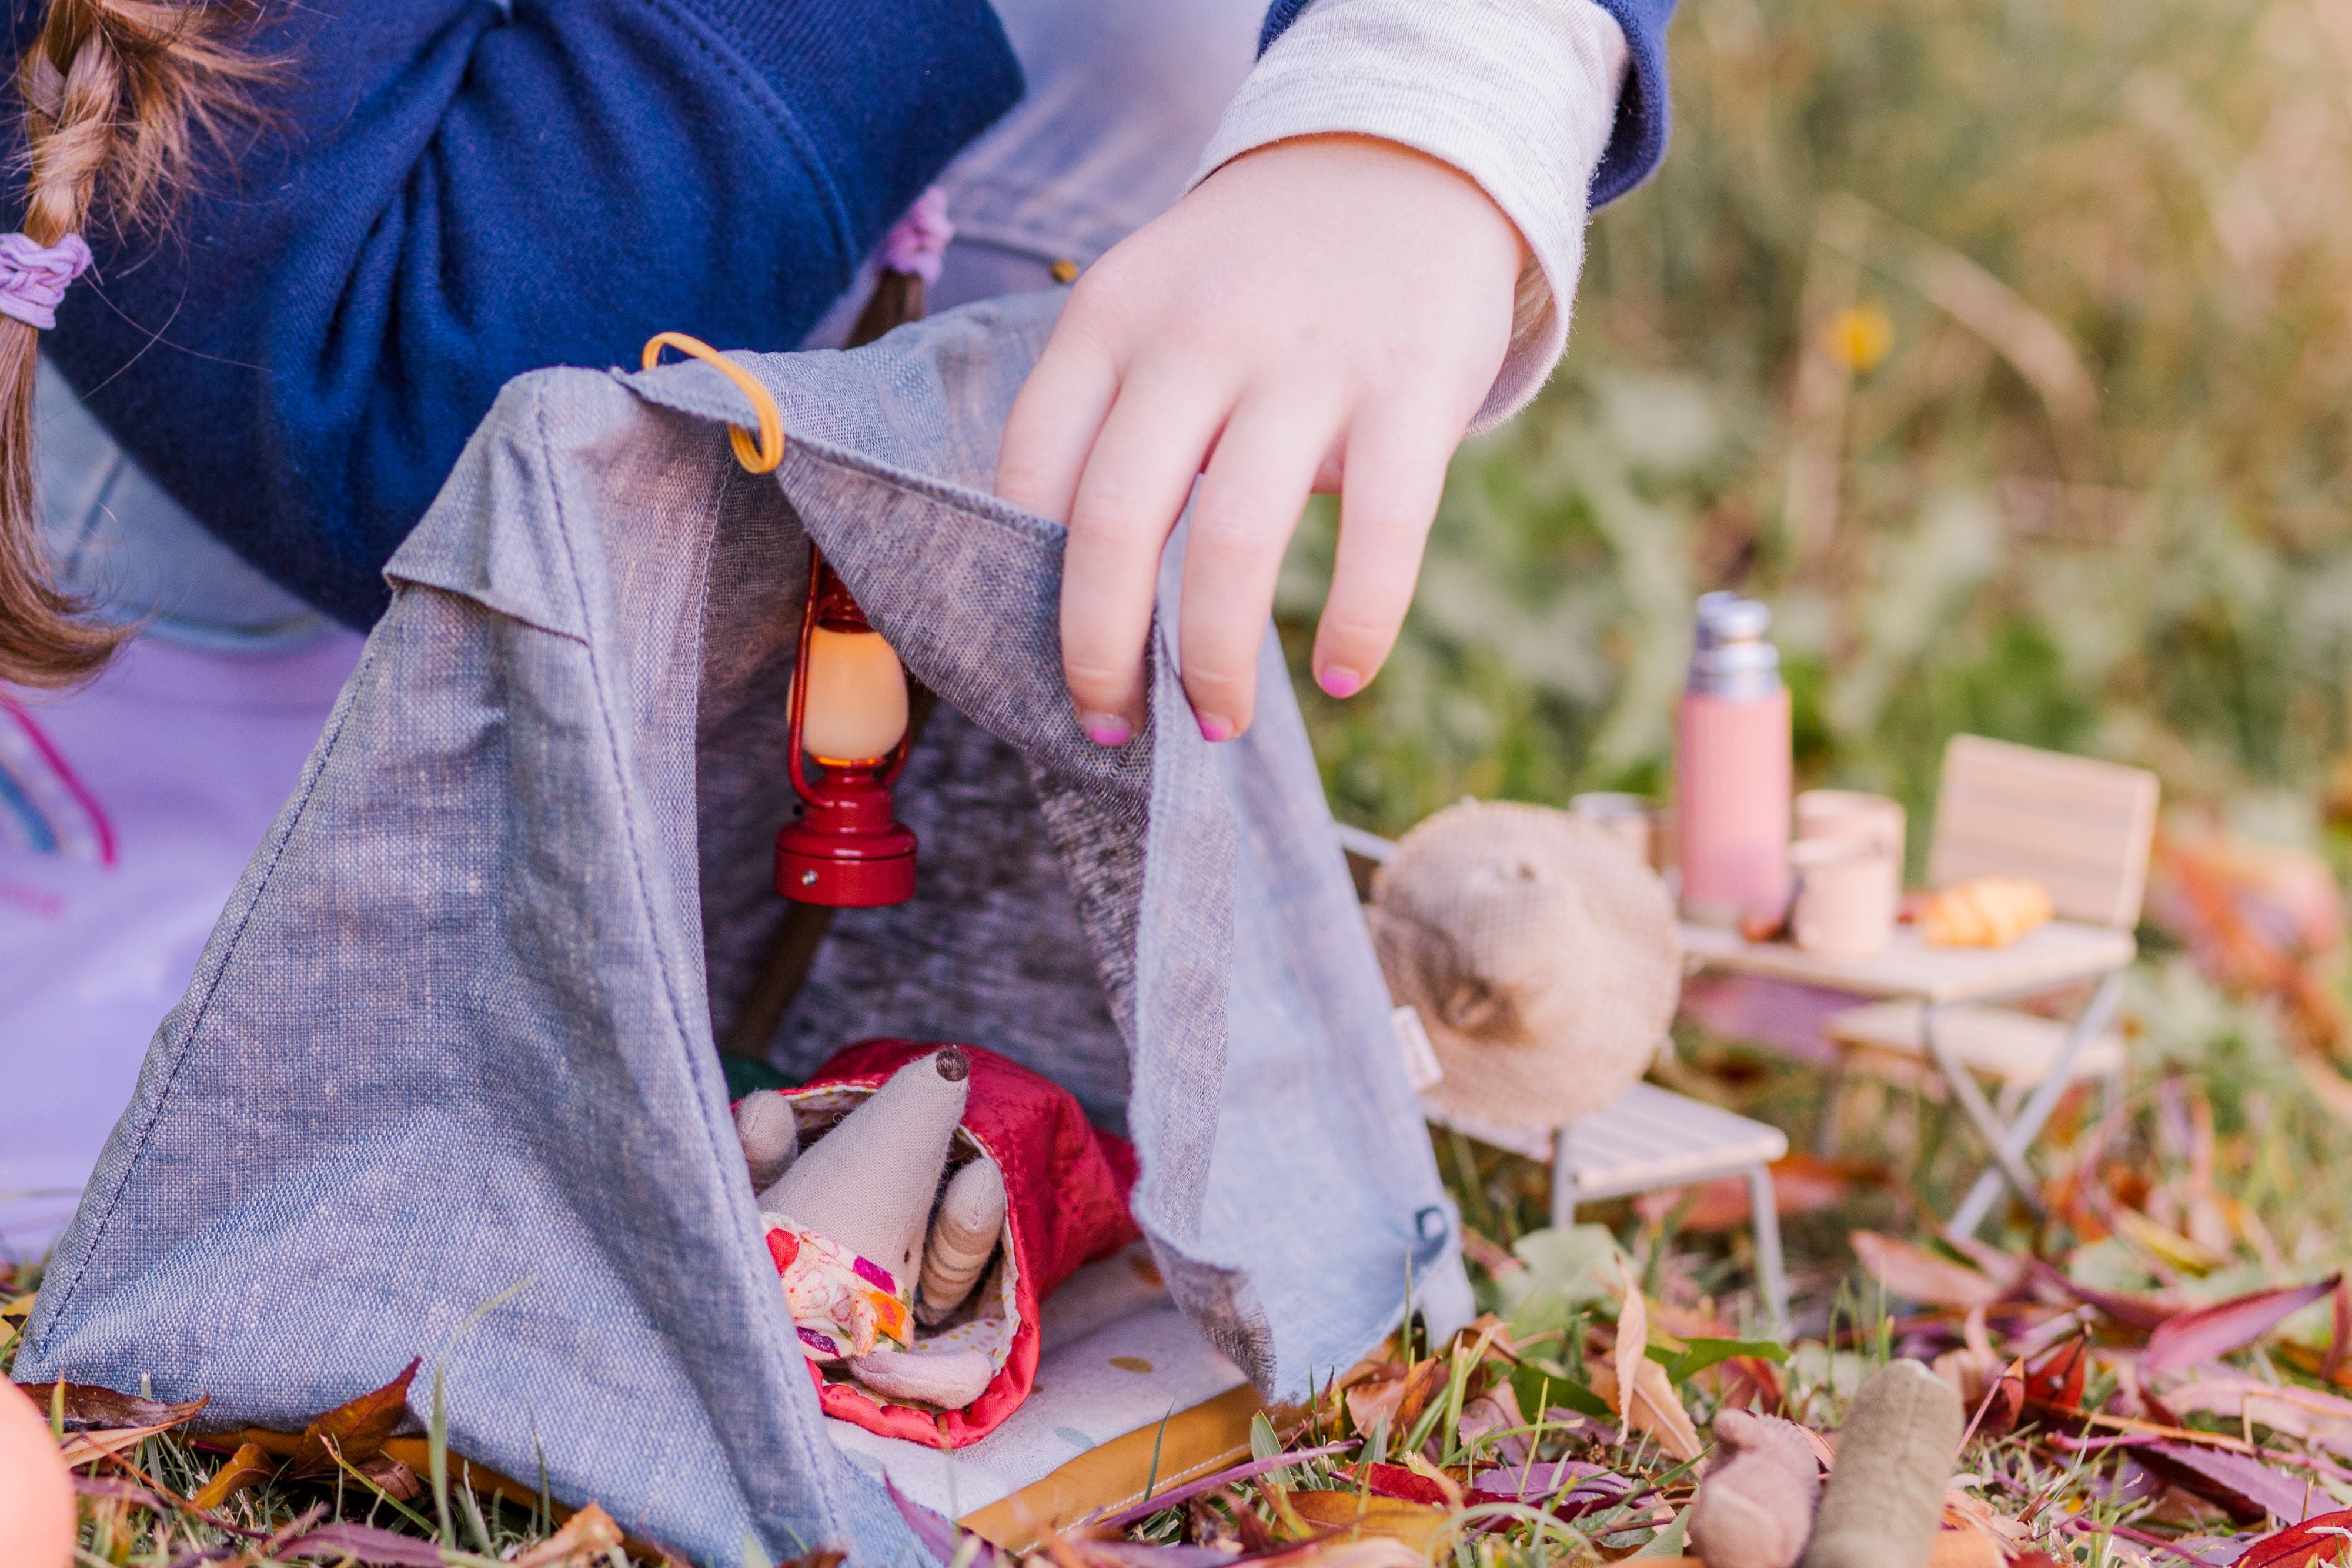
[{"x": 1421, "y": 1063}]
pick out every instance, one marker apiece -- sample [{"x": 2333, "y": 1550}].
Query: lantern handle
[{"x": 760, "y": 458}]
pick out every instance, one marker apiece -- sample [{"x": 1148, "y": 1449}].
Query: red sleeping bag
[{"x": 1065, "y": 1185}]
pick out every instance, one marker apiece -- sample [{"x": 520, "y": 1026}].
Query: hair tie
[
  {"x": 918, "y": 243},
  {"x": 34, "y": 278}
]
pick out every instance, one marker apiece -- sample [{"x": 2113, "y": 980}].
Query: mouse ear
[{"x": 1476, "y": 1008}]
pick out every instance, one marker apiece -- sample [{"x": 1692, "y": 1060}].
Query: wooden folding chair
[
  {"x": 2082, "y": 830},
  {"x": 1646, "y": 1140}
]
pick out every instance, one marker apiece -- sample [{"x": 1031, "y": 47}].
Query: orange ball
[{"x": 37, "y": 1498}]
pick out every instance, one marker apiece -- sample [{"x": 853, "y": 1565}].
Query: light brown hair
[{"x": 118, "y": 96}]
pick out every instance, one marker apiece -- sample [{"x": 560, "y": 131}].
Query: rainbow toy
[{"x": 44, "y": 808}]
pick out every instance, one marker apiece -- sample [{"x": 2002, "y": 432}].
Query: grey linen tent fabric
[{"x": 453, "y": 1033}]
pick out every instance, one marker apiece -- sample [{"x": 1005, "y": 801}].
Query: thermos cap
[
  {"x": 1728, "y": 617},
  {"x": 1729, "y": 657}
]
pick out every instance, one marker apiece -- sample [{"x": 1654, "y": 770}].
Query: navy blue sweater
[{"x": 454, "y": 194}]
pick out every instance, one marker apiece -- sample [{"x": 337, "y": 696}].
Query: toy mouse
[
  {"x": 861, "y": 1200},
  {"x": 918, "y": 1234},
  {"x": 1758, "y": 1508},
  {"x": 1541, "y": 957}
]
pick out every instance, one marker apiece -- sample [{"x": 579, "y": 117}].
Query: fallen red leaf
[
  {"x": 2316, "y": 1540},
  {"x": 2055, "y": 1381},
  {"x": 1396, "y": 1481},
  {"x": 2207, "y": 1334},
  {"x": 355, "y": 1430}
]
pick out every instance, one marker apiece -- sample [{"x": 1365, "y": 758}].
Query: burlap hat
[{"x": 1540, "y": 954}]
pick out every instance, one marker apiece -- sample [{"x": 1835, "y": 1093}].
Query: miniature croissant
[{"x": 1984, "y": 912}]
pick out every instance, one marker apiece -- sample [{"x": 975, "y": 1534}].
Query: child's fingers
[
  {"x": 1395, "y": 470},
  {"x": 1053, "y": 424},
  {"x": 1243, "y": 518},
  {"x": 1136, "y": 480}
]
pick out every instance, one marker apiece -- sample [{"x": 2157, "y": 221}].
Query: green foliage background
[{"x": 2092, "y": 496}]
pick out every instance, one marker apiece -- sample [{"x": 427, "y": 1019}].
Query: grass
[{"x": 2190, "y": 1146}]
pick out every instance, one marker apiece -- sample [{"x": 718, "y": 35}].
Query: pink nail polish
[
  {"x": 1214, "y": 729},
  {"x": 1107, "y": 728},
  {"x": 1339, "y": 682}
]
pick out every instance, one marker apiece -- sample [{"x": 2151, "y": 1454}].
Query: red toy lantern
[{"x": 845, "y": 849}]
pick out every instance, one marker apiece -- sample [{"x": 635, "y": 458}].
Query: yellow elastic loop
[{"x": 762, "y": 458}]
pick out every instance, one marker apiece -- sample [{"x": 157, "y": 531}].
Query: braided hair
[{"x": 118, "y": 96}]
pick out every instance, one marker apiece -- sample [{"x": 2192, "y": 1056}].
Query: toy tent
[{"x": 454, "y": 1032}]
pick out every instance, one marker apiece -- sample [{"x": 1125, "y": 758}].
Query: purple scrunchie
[
  {"x": 33, "y": 277},
  {"x": 918, "y": 243}
]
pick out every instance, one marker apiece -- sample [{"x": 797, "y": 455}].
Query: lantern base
[
  {"x": 812, "y": 869},
  {"x": 845, "y": 885}
]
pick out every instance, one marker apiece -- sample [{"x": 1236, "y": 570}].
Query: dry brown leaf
[
  {"x": 1965, "y": 1510},
  {"x": 586, "y": 1535},
  {"x": 249, "y": 1465},
  {"x": 1418, "y": 1525},
  {"x": 1369, "y": 1551},
  {"x": 1497, "y": 1410},
  {"x": 19, "y": 1308},
  {"x": 1655, "y": 1409},
  {"x": 91, "y": 1408},
  {"x": 1918, "y": 1275},
  {"x": 1289, "y": 1521},
  {"x": 81, "y": 1448},
  {"x": 1633, "y": 1348},
  {"x": 355, "y": 1430},
  {"x": 394, "y": 1479},
  {"x": 1963, "y": 1548},
  {"x": 1393, "y": 1394}
]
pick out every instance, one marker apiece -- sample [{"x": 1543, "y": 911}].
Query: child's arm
[
  {"x": 454, "y": 196},
  {"x": 1381, "y": 260}
]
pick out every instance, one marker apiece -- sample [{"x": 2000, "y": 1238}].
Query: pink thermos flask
[{"x": 1732, "y": 768}]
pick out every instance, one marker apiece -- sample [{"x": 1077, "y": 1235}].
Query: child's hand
[{"x": 1324, "y": 313}]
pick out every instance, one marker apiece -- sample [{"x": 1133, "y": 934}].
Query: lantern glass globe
[{"x": 856, "y": 698}]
